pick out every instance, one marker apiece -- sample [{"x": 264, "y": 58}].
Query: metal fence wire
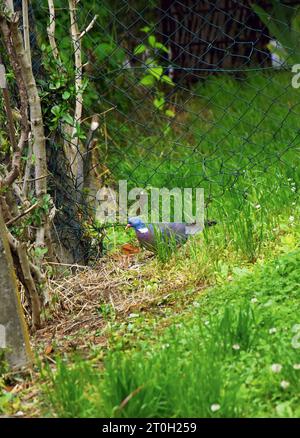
[{"x": 185, "y": 93}]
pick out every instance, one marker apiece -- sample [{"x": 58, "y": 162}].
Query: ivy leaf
[
  {"x": 159, "y": 102},
  {"x": 161, "y": 46},
  {"x": 66, "y": 95},
  {"x": 170, "y": 113},
  {"x": 56, "y": 110},
  {"x": 145, "y": 29},
  {"x": 55, "y": 85},
  {"x": 139, "y": 49},
  {"x": 68, "y": 119},
  {"x": 147, "y": 81},
  {"x": 156, "y": 72},
  {"x": 152, "y": 40},
  {"x": 167, "y": 80}
]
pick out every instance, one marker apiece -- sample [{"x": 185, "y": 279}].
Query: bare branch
[
  {"x": 89, "y": 27},
  {"x": 10, "y": 122},
  {"x": 51, "y": 29},
  {"x": 25, "y": 268},
  {"x": 39, "y": 144},
  {"x": 77, "y": 163},
  {"x": 27, "y": 169},
  {"x": 15, "y": 219},
  {"x": 26, "y": 29},
  {"x": 16, "y": 162}
]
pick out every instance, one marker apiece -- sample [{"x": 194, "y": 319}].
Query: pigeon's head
[{"x": 136, "y": 223}]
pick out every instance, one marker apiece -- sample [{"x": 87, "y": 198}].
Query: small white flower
[
  {"x": 236, "y": 346},
  {"x": 254, "y": 300},
  {"x": 133, "y": 315},
  {"x": 293, "y": 189},
  {"x": 296, "y": 366},
  {"x": 19, "y": 414},
  {"x": 272, "y": 330},
  {"x": 284, "y": 384},
  {"x": 291, "y": 218},
  {"x": 215, "y": 407},
  {"x": 257, "y": 206},
  {"x": 206, "y": 322},
  {"x": 293, "y": 203},
  {"x": 276, "y": 367},
  {"x": 196, "y": 304}
]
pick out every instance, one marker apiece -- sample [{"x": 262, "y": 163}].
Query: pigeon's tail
[
  {"x": 196, "y": 228},
  {"x": 210, "y": 223}
]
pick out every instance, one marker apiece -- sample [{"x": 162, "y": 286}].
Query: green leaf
[
  {"x": 66, "y": 95},
  {"x": 40, "y": 252},
  {"x": 170, "y": 113},
  {"x": 55, "y": 85},
  {"x": 152, "y": 40},
  {"x": 167, "y": 80},
  {"x": 156, "y": 72},
  {"x": 160, "y": 46},
  {"x": 145, "y": 29},
  {"x": 56, "y": 110},
  {"x": 147, "y": 81},
  {"x": 68, "y": 118},
  {"x": 159, "y": 102},
  {"x": 110, "y": 53},
  {"x": 139, "y": 49}
]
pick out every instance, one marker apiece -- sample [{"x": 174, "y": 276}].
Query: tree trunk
[{"x": 13, "y": 331}]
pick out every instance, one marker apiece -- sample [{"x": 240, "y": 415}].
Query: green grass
[
  {"x": 238, "y": 139},
  {"x": 229, "y": 132},
  {"x": 214, "y": 362},
  {"x": 234, "y": 351}
]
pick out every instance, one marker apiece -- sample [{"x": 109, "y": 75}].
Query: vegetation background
[{"x": 210, "y": 329}]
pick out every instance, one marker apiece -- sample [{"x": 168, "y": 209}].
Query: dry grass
[
  {"x": 126, "y": 284},
  {"x": 73, "y": 320}
]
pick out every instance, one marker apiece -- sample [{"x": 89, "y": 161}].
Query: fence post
[{"x": 13, "y": 331}]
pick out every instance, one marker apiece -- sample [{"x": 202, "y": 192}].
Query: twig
[
  {"x": 51, "y": 30},
  {"x": 13, "y": 220},
  {"x": 36, "y": 179},
  {"x": 129, "y": 397},
  {"x": 66, "y": 264},
  {"x": 99, "y": 114},
  {"x": 30, "y": 285},
  {"x": 89, "y": 27},
  {"x": 10, "y": 122},
  {"x": 27, "y": 169},
  {"x": 16, "y": 161}
]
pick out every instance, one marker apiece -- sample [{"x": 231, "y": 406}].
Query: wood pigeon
[{"x": 175, "y": 233}]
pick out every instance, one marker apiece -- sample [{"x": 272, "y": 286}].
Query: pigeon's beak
[{"x": 127, "y": 226}]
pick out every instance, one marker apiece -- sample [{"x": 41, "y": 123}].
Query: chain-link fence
[{"x": 180, "y": 93}]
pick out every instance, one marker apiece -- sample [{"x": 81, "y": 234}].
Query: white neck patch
[{"x": 143, "y": 230}]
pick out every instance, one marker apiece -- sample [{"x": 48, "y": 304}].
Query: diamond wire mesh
[{"x": 227, "y": 116}]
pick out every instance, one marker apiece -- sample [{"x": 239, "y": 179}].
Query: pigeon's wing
[
  {"x": 174, "y": 230},
  {"x": 146, "y": 239},
  {"x": 170, "y": 231}
]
